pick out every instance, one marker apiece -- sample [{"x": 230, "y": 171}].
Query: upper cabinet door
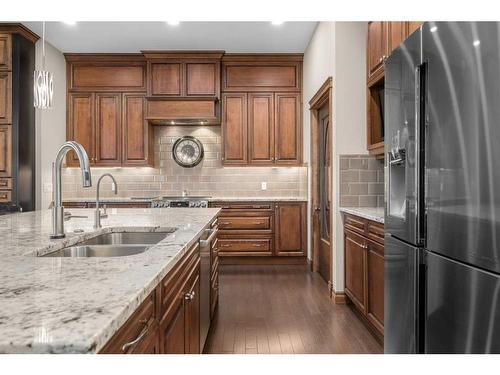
[
  {"x": 108, "y": 127},
  {"x": 261, "y": 128},
  {"x": 5, "y": 52},
  {"x": 5, "y": 97},
  {"x": 262, "y": 75},
  {"x": 106, "y": 76},
  {"x": 287, "y": 128},
  {"x": 377, "y": 47},
  {"x": 165, "y": 78},
  {"x": 136, "y": 148},
  {"x": 80, "y": 126},
  {"x": 397, "y": 32},
  {"x": 202, "y": 79},
  {"x": 234, "y": 129}
]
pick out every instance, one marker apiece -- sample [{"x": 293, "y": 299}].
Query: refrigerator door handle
[{"x": 419, "y": 153}]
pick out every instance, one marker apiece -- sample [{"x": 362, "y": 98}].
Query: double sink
[{"x": 112, "y": 244}]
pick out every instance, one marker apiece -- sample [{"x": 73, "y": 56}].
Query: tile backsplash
[
  {"x": 361, "y": 181},
  {"x": 208, "y": 178}
]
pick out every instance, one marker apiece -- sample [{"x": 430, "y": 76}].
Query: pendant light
[{"x": 43, "y": 82}]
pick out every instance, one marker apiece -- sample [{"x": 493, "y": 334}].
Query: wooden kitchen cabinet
[
  {"x": 260, "y": 230},
  {"x": 355, "y": 267},
  {"x": 234, "y": 129},
  {"x": 180, "y": 306},
  {"x": 139, "y": 334},
  {"x": 375, "y": 281},
  {"x": 165, "y": 78},
  {"x": 107, "y": 109},
  {"x": 108, "y": 129},
  {"x": 168, "y": 321},
  {"x": 137, "y": 134},
  {"x": 184, "y": 74},
  {"x": 5, "y": 52},
  {"x": 111, "y": 127},
  {"x": 288, "y": 129},
  {"x": 81, "y": 125},
  {"x": 291, "y": 231},
  {"x": 5, "y": 150},
  {"x": 262, "y": 122},
  {"x": 376, "y": 49},
  {"x": 364, "y": 269},
  {"x": 397, "y": 31},
  {"x": 5, "y": 97},
  {"x": 382, "y": 38},
  {"x": 260, "y": 128}
]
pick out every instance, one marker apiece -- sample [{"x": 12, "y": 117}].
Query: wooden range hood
[{"x": 183, "y": 87}]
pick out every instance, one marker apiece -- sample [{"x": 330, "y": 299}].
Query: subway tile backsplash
[
  {"x": 208, "y": 178},
  {"x": 361, "y": 181}
]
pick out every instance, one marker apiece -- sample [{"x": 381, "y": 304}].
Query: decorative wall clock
[{"x": 187, "y": 151}]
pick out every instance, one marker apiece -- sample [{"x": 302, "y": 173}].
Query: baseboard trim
[
  {"x": 339, "y": 298},
  {"x": 263, "y": 260}
]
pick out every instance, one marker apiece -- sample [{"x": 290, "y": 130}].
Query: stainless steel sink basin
[
  {"x": 127, "y": 238},
  {"x": 98, "y": 251},
  {"x": 112, "y": 245}
]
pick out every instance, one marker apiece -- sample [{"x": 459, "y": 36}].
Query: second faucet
[{"x": 97, "y": 214}]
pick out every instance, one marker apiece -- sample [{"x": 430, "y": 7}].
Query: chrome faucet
[
  {"x": 58, "y": 209},
  {"x": 97, "y": 214}
]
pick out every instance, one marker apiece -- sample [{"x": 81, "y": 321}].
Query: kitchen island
[{"x": 75, "y": 305}]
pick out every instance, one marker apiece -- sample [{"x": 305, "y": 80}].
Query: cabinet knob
[{"x": 189, "y": 296}]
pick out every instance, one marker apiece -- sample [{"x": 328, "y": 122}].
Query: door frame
[{"x": 322, "y": 96}]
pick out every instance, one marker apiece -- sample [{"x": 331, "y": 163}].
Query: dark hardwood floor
[{"x": 282, "y": 309}]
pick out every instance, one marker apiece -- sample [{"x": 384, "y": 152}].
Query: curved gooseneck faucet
[
  {"x": 58, "y": 209},
  {"x": 97, "y": 215}
]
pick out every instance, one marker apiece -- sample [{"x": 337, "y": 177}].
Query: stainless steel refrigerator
[{"x": 442, "y": 219}]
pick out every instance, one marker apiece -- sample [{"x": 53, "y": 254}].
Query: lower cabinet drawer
[
  {"x": 245, "y": 246},
  {"x": 245, "y": 223},
  {"x": 5, "y": 196},
  {"x": 137, "y": 331},
  {"x": 5, "y": 183}
]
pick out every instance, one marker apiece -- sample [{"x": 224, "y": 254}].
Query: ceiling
[{"x": 131, "y": 37}]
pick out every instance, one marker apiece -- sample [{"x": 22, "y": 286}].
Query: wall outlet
[{"x": 263, "y": 185}]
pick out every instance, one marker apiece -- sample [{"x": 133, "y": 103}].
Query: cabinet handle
[
  {"x": 189, "y": 296},
  {"x": 3, "y": 183},
  {"x": 143, "y": 334},
  {"x": 225, "y": 223},
  {"x": 257, "y": 245},
  {"x": 224, "y": 245},
  {"x": 360, "y": 245}
]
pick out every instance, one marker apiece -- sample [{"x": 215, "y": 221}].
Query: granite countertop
[
  {"x": 211, "y": 199},
  {"x": 74, "y": 305},
  {"x": 370, "y": 213}
]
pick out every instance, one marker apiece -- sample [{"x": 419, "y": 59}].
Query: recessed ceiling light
[
  {"x": 173, "y": 23},
  {"x": 476, "y": 43},
  {"x": 71, "y": 23},
  {"x": 277, "y": 23},
  {"x": 433, "y": 29}
]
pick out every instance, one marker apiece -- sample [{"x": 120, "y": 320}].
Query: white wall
[
  {"x": 338, "y": 49},
  {"x": 50, "y": 123},
  {"x": 349, "y": 119},
  {"x": 317, "y": 67}
]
